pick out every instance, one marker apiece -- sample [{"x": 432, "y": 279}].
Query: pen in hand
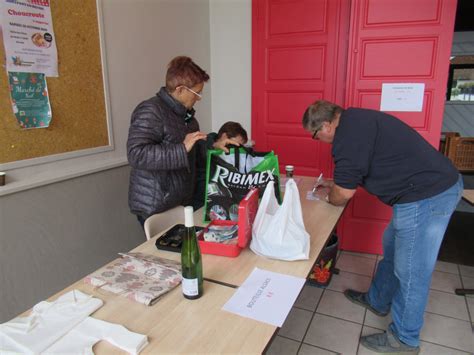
[{"x": 318, "y": 181}]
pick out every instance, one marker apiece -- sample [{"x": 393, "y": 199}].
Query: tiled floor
[{"x": 323, "y": 321}]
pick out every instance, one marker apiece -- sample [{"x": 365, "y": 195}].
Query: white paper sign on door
[
  {"x": 265, "y": 296},
  {"x": 407, "y": 97}
]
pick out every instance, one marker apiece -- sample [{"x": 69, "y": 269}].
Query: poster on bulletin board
[
  {"x": 28, "y": 36},
  {"x": 30, "y": 100}
]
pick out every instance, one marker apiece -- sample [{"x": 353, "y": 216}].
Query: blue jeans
[{"x": 411, "y": 244}]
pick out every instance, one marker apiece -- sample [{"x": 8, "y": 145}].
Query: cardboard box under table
[{"x": 246, "y": 215}]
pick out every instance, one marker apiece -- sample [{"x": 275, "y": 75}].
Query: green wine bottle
[{"x": 191, "y": 262}]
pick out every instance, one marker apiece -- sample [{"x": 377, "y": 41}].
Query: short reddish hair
[{"x": 183, "y": 71}]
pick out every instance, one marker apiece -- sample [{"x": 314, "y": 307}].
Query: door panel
[
  {"x": 304, "y": 50},
  {"x": 395, "y": 41},
  {"x": 299, "y": 56},
  {"x": 401, "y": 12},
  {"x": 296, "y": 63},
  {"x": 365, "y": 206},
  {"x": 392, "y": 64},
  {"x": 359, "y": 236},
  {"x": 420, "y": 122},
  {"x": 289, "y": 17}
]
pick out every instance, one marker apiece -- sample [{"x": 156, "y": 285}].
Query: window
[{"x": 461, "y": 79}]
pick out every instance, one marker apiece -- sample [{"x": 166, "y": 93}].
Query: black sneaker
[
  {"x": 388, "y": 343},
  {"x": 359, "y": 298}
]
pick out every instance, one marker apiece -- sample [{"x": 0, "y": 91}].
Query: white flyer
[
  {"x": 28, "y": 36},
  {"x": 407, "y": 97},
  {"x": 265, "y": 296}
]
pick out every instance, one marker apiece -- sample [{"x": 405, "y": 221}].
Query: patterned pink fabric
[{"x": 140, "y": 277}]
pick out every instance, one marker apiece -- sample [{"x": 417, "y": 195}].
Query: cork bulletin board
[{"x": 77, "y": 96}]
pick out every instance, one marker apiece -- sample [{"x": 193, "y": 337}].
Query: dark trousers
[{"x": 141, "y": 220}]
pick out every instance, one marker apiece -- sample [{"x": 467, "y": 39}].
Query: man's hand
[
  {"x": 223, "y": 141},
  {"x": 192, "y": 138},
  {"x": 322, "y": 188},
  {"x": 327, "y": 183}
]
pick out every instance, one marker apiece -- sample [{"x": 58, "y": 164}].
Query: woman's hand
[{"x": 192, "y": 138}]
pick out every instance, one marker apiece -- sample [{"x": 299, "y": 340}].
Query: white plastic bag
[{"x": 278, "y": 232}]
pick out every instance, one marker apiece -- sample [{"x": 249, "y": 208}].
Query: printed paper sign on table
[
  {"x": 28, "y": 36},
  {"x": 265, "y": 296}
]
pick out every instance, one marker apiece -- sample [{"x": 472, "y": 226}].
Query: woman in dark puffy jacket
[{"x": 165, "y": 147}]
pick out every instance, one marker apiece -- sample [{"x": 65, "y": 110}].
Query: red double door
[{"x": 342, "y": 51}]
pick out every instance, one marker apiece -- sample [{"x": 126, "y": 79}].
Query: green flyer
[{"x": 30, "y": 101}]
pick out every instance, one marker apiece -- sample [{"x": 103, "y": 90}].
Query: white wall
[
  {"x": 141, "y": 38},
  {"x": 54, "y": 235},
  {"x": 231, "y": 74}
]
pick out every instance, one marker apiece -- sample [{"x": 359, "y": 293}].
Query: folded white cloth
[
  {"x": 82, "y": 338},
  {"x": 47, "y": 322},
  {"x": 63, "y": 326}
]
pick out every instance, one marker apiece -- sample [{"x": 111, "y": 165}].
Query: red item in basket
[{"x": 246, "y": 215}]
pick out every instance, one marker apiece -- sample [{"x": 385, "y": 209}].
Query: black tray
[{"x": 173, "y": 238}]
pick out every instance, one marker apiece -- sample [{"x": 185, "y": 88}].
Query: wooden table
[
  {"x": 319, "y": 218},
  {"x": 177, "y": 325},
  {"x": 468, "y": 195}
]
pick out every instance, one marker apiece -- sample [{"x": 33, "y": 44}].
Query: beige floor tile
[
  {"x": 447, "y": 304},
  {"x": 313, "y": 350},
  {"x": 356, "y": 264},
  {"x": 365, "y": 255},
  {"x": 346, "y": 280},
  {"x": 447, "y": 267},
  {"x": 296, "y": 324},
  {"x": 337, "y": 305},
  {"x": 375, "y": 321},
  {"x": 309, "y": 297},
  {"x": 443, "y": 281},
  {"x": 467, "y": 270},
  {"x": 442, "y": 334},
  {"x": 283, "y": 346},
  {"x": 433, "y": 349},
  {"x": 333, "y": 334},
  {"x": 453, "y": 333},
  {"x": 470, "y": 304}
]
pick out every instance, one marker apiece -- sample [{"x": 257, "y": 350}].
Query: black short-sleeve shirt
[{"x": 388, "y": 158}]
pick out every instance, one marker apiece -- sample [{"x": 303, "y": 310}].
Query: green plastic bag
[{"x": 229, "y": 177}]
